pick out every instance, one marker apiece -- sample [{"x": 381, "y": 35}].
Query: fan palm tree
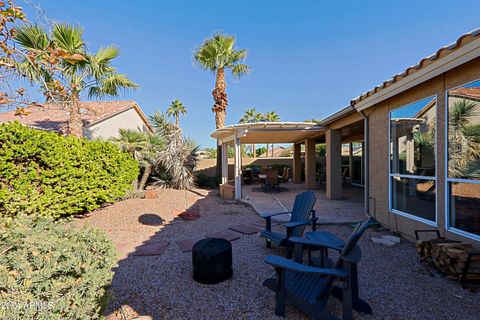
[
  {"x": 144, "y": 147},
  {"x": 271, "y": 116},
  {"x": 250, "y": 116},
  {"x": 60, "y": 62},
  {"x": 217, "y": 54},
  {"x": 175, "y": 109}
]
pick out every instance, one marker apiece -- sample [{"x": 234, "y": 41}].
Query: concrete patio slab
[{"x": 348, "y": 209}]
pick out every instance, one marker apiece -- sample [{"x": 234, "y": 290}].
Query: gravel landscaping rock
[{"x": 392, "y": 280}]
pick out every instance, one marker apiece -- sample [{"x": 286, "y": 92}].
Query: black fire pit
[{"x": 212, "y": 260}]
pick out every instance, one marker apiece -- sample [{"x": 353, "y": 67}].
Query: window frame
[
  {"x": 448, "y": 180},
  {"x": 406, "y": 176}
]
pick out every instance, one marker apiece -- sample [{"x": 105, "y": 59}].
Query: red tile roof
[
  {"x": 52, "y": 116},
  {"x": 473, "y": 93}
]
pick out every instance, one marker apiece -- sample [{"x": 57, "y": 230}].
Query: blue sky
[{"x": 308, "y": 58}]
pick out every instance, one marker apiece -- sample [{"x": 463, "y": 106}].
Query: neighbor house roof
[
  {"x": 472, "y": 93},
  {"x": 269, "y": 132},
  {"x": 465, "y": 48},
  {"x": 52, "y": 116}
]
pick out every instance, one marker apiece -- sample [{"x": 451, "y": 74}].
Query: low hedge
[
  {"x": 206, "y": 181},
  {"x": 49, "y": 270},
  {"x": 49, "y": 174}
]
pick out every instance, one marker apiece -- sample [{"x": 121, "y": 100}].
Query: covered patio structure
[
  {"x": 345, "y": 151},
  {"x": 294, "y": 133}
]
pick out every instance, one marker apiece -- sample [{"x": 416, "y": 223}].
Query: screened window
[
  {"x": 464, "y": 157},
  {"x": 412, "y": 159}
]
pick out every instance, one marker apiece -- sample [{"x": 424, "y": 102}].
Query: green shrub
[
  {"x": 48, "y": 174},
  {"x": 205, "y": 181},
  {"x": 52, "y": 271}
]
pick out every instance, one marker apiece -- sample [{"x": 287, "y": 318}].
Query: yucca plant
[
  {"x": 464, "y": 147},
  {"x": 144, "y": 147},
  {"x": 176, "y": 163}
]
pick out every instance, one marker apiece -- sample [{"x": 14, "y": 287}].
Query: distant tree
[
  {"x": 271, "y": 116},
  {"x": 217, "y": 54},
  {"x": 313, "y": 120},
  {"x": 175, "y": 109},
  {"x": 251, "y": 116}
]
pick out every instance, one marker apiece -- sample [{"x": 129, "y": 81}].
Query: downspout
[{"x": 366, "y": 182}]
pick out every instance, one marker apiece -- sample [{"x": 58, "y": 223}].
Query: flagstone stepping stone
[
  {"x": 227, "y": 235},
  {"x": 151, "y": 248},
  {"x": 246, "y": 228},
  {"x": 187, "y": 244}
]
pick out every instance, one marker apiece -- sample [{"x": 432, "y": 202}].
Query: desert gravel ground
[{"x": 392, "y": 280}]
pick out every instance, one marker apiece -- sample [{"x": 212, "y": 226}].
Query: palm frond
[
  {"x": 240, "y": 70},
  {"x": 68, "y": 38},
  {"x": 32, "y": 37},
  {"x": 111, "y": 85}
]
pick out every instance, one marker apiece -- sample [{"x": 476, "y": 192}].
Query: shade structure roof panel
[{"x": 269, "y": 132}]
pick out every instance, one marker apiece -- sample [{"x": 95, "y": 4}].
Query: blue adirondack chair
[
  {"x": 308, "y": 287},
  {"x": 325, "y": 241},
  {"x": 301, "y": 215}
]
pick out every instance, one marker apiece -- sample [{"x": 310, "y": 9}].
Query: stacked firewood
[{"x": 449, "y": 257}]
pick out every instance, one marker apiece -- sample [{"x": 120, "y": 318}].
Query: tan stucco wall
[
  {"x": 207, "y": 166},
  {"x": 108, "y": 128},
  {"x": 379, "y": 148}
]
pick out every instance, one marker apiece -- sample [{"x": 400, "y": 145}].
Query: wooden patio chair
[
  {"x": 301, "y": 215},
  {"x": 308, "y": 287},
  {"x": 272, "y": 179}
]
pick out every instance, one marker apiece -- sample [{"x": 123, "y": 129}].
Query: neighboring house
[{"x": 102, "y": 119}]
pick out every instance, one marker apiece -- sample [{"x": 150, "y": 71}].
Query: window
[
  {"x": 463, "y": 156},
  {"x": 412, "y": 160}
]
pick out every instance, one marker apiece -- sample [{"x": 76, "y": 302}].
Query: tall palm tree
[
  {"x": 271, "y": 116},
  {"x": 175, "y": 109},
  {"x": 250, "y": 116},
  {"x": 60, "y": 62},
  {"x": 217, "y": 54}
]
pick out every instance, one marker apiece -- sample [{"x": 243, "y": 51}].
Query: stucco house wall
[
  {"x": 379, "y": 149},
  {"x": 108, "y": 128}
]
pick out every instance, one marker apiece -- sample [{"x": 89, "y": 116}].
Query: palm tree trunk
[
  {"x": 177, "y": 120},
  {"x": 254, "y": 151},
  {"x": 75, "y": 124},
  {"x": 220, "y": 108},
  {"x": 145, "y": 175},
  {"x": 272, "y": 151}
]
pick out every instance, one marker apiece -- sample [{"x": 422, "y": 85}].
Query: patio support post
[
  {"x": 350, "y": 161},
  {"x": 297, "y": 163},
  {"x": 224, "y": 163},
  {"x": 310, "y": 160},
  {"x": 238, "y": 168},
  {"x": 334, "y": 164}
]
